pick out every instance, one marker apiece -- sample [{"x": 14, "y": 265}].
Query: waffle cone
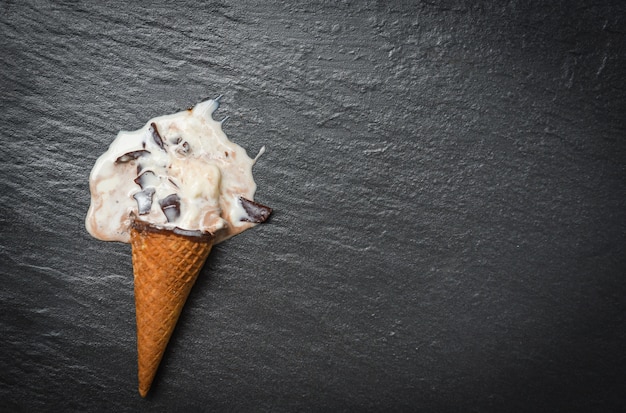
[{"x": 166, "y": 264}]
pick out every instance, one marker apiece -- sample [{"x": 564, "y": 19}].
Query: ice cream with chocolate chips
[
  {"x": 178, "y": 172},
  {"x": 172, "y": 189}
]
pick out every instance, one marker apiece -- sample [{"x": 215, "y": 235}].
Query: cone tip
[{"x": 143, "y": 392}]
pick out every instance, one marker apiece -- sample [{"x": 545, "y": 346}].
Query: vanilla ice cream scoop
[{"x": 178, "y": 172}]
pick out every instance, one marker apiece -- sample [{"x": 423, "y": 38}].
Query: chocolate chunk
[
  {"x": 190, "y": 233},
  {"x": 183, "y": 149},
  {"x": 170, "y": 205},
  {"x": 156, "y": 135},
  {"x": 144, "y": 201},
  {"x": 131, "y": 156},
  {"x": 171, "y": 181},
  {"x": 148, "y": 178},
  {"x": 256, "y": 212}
]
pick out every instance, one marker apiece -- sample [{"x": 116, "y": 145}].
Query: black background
[{"x": 449, "y": 190}]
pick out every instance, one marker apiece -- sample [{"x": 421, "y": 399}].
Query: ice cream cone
[
  {"x": 166, "y": 264},
  {"x": 178, "y": 171}
]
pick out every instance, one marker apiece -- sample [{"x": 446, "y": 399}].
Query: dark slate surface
[{"x": 449, "y": 193}]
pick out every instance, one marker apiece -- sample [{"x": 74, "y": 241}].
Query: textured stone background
[{"x": 449, "y": 191}]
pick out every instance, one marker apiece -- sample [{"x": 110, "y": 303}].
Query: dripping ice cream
[{"x": 179, "y": 172}]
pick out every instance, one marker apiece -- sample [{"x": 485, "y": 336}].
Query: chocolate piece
[
  {"x": 144, "y": 201},
  {"x": 257, "y": 213},
  {"x": 156, "y": 135},
  {"x": 170, "y": 205},
  {"x": 183, "y": 148},
  {"x": 171, "y": 181},
  {"x": 148, "y": 178},
  {"x": 131, "y": 156},
  {"x": 191, "y": 233}
]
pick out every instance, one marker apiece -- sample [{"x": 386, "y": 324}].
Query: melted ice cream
[{"x": 179, "y": 171}]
